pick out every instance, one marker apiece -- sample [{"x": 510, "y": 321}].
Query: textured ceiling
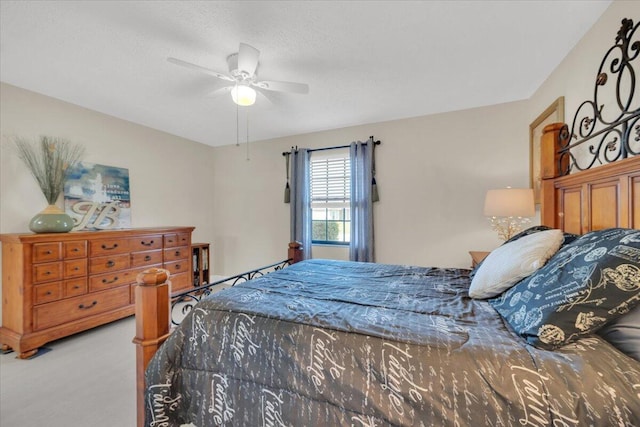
[{"x": 364, "y": 61}]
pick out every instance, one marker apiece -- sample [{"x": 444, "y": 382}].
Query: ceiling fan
[{"x": 243, "y": 77}]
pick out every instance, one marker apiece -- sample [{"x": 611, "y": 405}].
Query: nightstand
[{"x": 477, "y": 257}]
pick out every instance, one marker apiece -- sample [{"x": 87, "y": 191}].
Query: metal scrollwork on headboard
[{"x": 612, "y": 133}]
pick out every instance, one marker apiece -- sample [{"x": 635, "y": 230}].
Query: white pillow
[{"x": 512, "y": 262}]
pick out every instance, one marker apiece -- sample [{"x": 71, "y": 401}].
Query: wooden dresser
[{"x": 55, "y": 285}]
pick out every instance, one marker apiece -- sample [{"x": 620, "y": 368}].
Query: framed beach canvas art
[{"x": 97, "y": 196}]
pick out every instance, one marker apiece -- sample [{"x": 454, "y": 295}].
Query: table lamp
[{"x": 509, "y": 210}]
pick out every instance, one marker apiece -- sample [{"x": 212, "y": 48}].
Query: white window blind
[{"x": 330, "y": 182}]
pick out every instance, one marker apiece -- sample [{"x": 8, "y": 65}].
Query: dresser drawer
[
  {"x": 173, "y": 254},
  {"x": 146, "y": 243},
  {"x": 184, "y": 239},
  {"x": 109, "y": 263},
  {"x": 119, "y": 278},
  {"x": 47, "y": 272},
  {"x": 76, "y": 249},
  {"x": 107, "y": 247},
  {"x": 47, "y": 292},
  {"x": 170, "y": 240},
  {"x": 75, "y": 268},
  {"x": 111, "y": 280},
  {"x": 175, "y": 267},
  {"x": 67, "y": 310},
  {"x": 139, "y": 259},
  {"x": 46, "y": 252},
  {"x": 74, "y": 287},
  {"x": 180, "y": 282}
]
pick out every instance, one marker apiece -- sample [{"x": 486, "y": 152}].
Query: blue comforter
[{"x": 332, "y": 343}]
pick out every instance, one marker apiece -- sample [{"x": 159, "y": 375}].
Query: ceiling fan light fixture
[{"x": 243, "y": 95}]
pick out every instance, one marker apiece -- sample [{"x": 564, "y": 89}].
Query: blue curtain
[
  {"x": 301, "y": 200},
  {"x": 361, "y": 247}
]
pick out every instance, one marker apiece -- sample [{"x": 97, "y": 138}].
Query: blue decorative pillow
[{"x": 586, "y": 284}]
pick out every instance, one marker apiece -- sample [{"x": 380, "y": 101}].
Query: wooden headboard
[
  {"x": 607, "y": 134},
  {"x": 593, "y": 199}
]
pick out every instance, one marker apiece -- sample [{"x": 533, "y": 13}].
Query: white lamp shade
[
  {"x": 505, "y": 202},
  {"x": 243, "y": 95}
]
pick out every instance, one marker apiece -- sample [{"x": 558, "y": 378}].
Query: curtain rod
[{"x": 333, "y": 148}]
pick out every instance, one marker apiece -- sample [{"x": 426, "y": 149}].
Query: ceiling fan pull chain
[
  {"x": 237, "y": 126},
  {"x": 248, "y": 135}
]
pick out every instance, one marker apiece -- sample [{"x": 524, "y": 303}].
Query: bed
[{"x": 333, "y": 343}]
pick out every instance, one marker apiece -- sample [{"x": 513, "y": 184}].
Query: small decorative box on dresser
[{"x": 55, "y": 285}]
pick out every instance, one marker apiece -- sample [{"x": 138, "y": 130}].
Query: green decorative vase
[{"x": 51, "y": 220}]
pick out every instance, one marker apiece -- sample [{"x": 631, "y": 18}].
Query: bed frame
[{"x": 591, "y": 199}]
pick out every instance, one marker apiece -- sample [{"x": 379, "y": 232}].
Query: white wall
[
  {"x": 432, "y": 174},
  {"x": 170, "y": 177}
]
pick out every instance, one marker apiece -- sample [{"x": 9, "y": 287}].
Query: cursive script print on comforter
[{"x": 331, "y": 343}]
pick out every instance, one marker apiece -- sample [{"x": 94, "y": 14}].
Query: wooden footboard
[{"x": 154, "y": 307}]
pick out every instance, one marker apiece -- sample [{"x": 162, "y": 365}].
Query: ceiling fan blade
[
  {"x": 199, "y": 68},
  {"x": 283, "y": 86},
  {"x": 267, "y": 95},
  {"x": 219, "y": 92},
  {"x": 248, "y": 59}
]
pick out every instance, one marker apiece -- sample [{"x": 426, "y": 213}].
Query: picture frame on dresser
[
  {"x": 58, "y": 284},
  {"x": 554, "y": 113}
]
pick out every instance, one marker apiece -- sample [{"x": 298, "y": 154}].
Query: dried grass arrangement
[{"x": 48, "y": 160}]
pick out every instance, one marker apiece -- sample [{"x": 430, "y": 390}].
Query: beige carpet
[{"x": 84, "y": 380}]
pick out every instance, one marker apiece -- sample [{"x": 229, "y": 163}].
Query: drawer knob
[
  {"x": 110, "y": 263},
  {"x": 75, "y": 250},
  {"x": 76, "y": 287},
  {"x": 115, "y": 279},
  {"x": 143, "y": 243},
  {"x": 86, "y": 307},
  {"x": 108, "y": 248},
  {"x": 177, "y": 266},
  {"x": 76, "y": 268},
  {"x": 48, "y": 293},
  {"x": 147, "y": 258},
  {"x": 48, "y": 252},
  {"x": 46, "y": 273},
  {"x": 177, "y": 253}
]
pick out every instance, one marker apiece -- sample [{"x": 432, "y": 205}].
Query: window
[{"x": 330, "y": 197}]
